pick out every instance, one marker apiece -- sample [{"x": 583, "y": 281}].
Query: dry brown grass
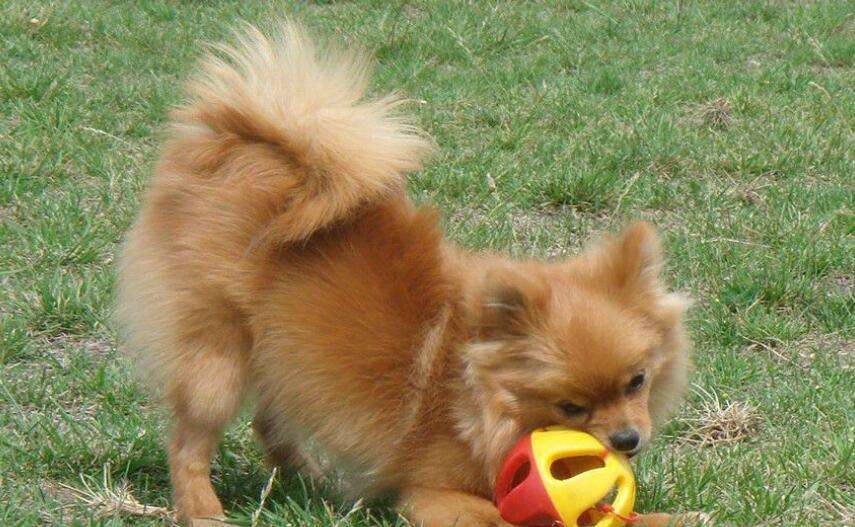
[
  {"x": 844, "y": 513},
  {"x": 716, "y": 114},
  {"x": 716, "y": 422},
  {"x": 265, "y": 492},
  {"x": 106, "y": 498}
]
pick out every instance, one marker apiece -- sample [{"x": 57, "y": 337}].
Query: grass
[{"x": 727, "y": 123}]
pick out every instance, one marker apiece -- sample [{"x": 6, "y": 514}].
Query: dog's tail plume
[{"x": 282, "y": 97}]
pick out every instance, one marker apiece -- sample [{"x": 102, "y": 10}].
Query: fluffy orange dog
[{"x": 277, "y": 254}]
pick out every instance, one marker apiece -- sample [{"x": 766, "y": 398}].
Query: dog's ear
[
  {"x": 634, "y": 259},
  {"x": 632, "y": 264},
  {"x": 511, "y": 304}
]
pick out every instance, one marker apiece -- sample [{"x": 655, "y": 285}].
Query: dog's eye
[
  {"x": 635, "y": 383},
  {"x": 570, "y": 409}
]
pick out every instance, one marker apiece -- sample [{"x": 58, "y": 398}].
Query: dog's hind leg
[
  {"x": 281, "y": 452},
  {"x": 205, "y": 393}
]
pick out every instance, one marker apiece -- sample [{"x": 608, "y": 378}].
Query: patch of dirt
[
  {"x": 556, "y": 232},
  {"x": 754, "y": 61},
  {"x": 803, "y": 352},
  {"x": 753, "y": 192},
  {"x": 7, "y": 213},
  {"x": 552, "y": 232},
  {"x": 62, "y": 346},
  {"x": 841, "y": 284},
  {"x": 412, "y": 12},
  {"x": 665, "y": 220},
  {"x": 806, "y": 349}
]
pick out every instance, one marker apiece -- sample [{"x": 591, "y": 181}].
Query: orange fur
[{"x": 276, "y": 253}]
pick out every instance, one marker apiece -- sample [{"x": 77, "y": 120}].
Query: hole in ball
[
  {"x": 567, "y": 467},
  {"x": 520, "y": 474},
  {"x": 591, "y": 516}
]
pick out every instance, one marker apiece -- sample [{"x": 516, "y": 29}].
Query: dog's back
[
  {"x": 273, "y": 160},
  {"x": 273, "y": 147}
]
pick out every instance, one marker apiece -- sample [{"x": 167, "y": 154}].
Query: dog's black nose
[{"x": 625, "y": 440}]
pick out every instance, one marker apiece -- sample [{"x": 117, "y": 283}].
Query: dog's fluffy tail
[{"x": 304, "y": 108}]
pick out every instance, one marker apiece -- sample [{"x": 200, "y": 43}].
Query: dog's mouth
[{"x": 632, "y": 453}]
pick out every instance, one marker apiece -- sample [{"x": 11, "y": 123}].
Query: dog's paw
[
  {"x": 208, "y": 522},
  {"x": 685, "y": 519},
  {"x": 693, "y": 519},
  {"x": 481, "y": 520},
  {"x": 427, "y": 507}
]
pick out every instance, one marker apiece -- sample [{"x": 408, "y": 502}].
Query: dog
[{"x": 277, "y": 254}]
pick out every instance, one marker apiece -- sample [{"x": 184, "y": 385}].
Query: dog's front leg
[{"x": 447, "y": 508}]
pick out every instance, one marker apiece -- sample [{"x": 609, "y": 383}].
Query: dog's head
[{"x": 595, "y": 343}]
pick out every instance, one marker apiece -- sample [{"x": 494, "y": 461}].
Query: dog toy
[{"x": 559, "y": 476}]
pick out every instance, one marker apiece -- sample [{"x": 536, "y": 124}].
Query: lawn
[{"x": 727, "y": 123}]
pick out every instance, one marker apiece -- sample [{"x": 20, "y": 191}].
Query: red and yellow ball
[{"x": 560, "y": 475}]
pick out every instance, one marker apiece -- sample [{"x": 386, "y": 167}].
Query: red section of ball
[{"x": 520, "y": 495}]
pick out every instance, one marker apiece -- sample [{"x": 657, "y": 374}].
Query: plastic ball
[{"x": 560, "y": 476}]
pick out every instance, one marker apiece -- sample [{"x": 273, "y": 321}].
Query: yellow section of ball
[{"x": 578, "y": 472}]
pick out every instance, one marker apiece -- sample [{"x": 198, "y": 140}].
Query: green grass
[{"x": 727, "y": 123}]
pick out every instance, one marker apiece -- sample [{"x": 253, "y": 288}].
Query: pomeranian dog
[{"x": 277, "y": 258}]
